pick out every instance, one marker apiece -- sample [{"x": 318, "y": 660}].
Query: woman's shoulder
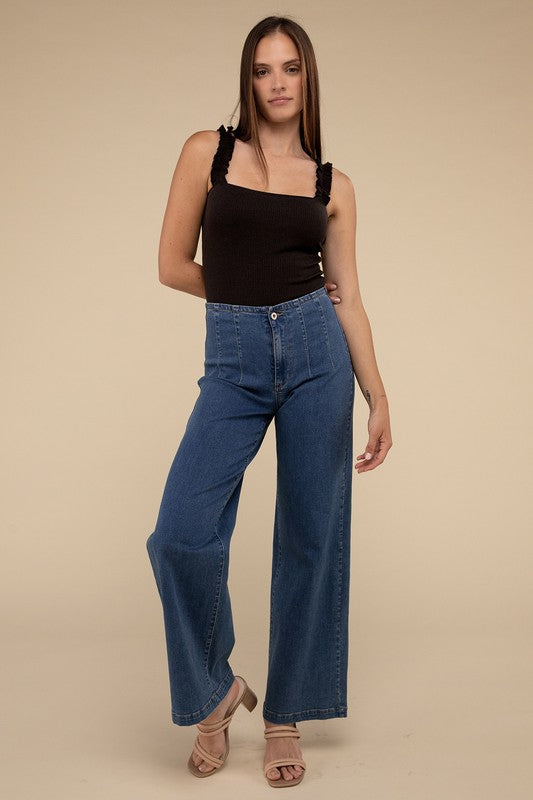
[
  {"x": 199, "y": 148},
  {"x": 341, "y": 178},
  {"x": 341, "y": 183},
  {"x": 203, "y": 139},
  {"x": 342, "y": 190}
]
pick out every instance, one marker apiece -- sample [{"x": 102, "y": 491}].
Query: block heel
[{"x": 249, "y": 699}]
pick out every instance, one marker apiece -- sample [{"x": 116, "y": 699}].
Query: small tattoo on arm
[{"x": 370, "y": 399}]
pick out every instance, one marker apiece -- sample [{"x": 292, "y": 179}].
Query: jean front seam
[
  {"x": 341, "y": 562},
  {"x": 305, "y": 341},
  {"x": 277, "y": 541},
  {"x": 236, "y": 326},
  {"x": 325, "y": 327},
  {"x": 216, "y": 603},
  {"x": 217, "y": 338}
]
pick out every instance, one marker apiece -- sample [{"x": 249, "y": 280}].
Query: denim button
[{"x": 274, "y": 315}]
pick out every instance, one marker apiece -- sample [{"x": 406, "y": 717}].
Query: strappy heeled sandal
[
  {"x": 283, "y": 730},
  {"x": 249, "y": 700}
]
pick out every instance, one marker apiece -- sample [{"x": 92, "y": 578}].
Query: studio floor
[{"x": 430, "y": 718}]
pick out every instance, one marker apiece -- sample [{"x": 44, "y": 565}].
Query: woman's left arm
[{"x": 340, "y": 269}]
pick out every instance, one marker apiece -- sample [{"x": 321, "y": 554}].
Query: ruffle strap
[
  {"x": 222, "y": 156},
  {"x": 324, "y": 182}
]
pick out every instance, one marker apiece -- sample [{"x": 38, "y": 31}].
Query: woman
[{"x": 275, "y": 348}]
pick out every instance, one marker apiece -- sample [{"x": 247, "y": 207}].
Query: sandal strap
[
  {"x": 212, "y": 728},
  {"x": 283, "y": 762},
  {"x": 211, "y": 759},
  {"x": 281, "y": 730}
]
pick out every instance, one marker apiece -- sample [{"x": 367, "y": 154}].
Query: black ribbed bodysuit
[{"x": 261, "y": 248}]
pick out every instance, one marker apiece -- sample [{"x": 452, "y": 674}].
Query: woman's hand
[
  {"x": 331, "y": 288},
  {"x": 379, "y": 439}
]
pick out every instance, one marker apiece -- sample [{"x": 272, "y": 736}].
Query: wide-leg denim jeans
[{"x": 288, "y": 362}]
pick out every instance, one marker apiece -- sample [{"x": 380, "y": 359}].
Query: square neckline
[
  {"x": 224, "y": 180},
  {"x": 275, "y": 194}
]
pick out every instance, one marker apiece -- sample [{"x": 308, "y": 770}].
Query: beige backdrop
[{"x": 427, "y": 107}]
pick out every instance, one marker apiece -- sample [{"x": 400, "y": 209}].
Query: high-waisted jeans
[{"x": 290, "y": 362}]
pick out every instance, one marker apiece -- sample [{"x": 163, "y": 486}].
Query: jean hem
[
  {"x": 216, "y": 698},
  {"x": 302, "y": 716}
]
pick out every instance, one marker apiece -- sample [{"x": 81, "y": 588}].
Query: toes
[
  {"x": 202, "y": 765},
  {"x": 286, "y": 774}
]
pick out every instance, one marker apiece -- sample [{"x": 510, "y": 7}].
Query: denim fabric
[{"x": 289, "y": 362}]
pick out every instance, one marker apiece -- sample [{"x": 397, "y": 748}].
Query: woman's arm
[
  {"x": 339, "y": 267},
  {"x": 183, "y": 215}
]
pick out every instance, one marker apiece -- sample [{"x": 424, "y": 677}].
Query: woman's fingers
[
  {"x": 330, "y": 287},
  {"x": 374, "y": 455}
]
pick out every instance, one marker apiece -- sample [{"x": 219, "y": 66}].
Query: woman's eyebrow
[{"x": 263, "y": 64}]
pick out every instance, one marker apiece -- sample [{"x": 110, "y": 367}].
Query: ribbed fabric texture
[{"x": 261, "y": 248}]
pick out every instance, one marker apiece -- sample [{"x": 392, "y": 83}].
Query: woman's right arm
[{"x": 183, "y": 215}]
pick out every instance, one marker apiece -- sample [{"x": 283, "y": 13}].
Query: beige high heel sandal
[
  {"x": 247, "y": 697},
  {"x": 283, "y": 730}
]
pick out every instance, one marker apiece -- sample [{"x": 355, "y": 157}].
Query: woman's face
[{"x": 277, "y": 73}]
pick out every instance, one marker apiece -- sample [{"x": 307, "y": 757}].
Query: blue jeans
[{"x": 290, "y": 362}]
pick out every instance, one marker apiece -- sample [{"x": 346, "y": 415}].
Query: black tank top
[{"x": 258, "y": 247}]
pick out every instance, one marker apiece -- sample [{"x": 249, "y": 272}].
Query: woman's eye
[{"x": 259, "y": 71}]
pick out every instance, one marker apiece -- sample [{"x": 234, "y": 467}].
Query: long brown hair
[{"x": 247, "y": 128}]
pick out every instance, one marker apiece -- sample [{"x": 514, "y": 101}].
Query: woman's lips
[{"x": 280, "y": 101}]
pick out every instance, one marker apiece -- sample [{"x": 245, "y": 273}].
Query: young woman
[{"x": 279, "y": 345}]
